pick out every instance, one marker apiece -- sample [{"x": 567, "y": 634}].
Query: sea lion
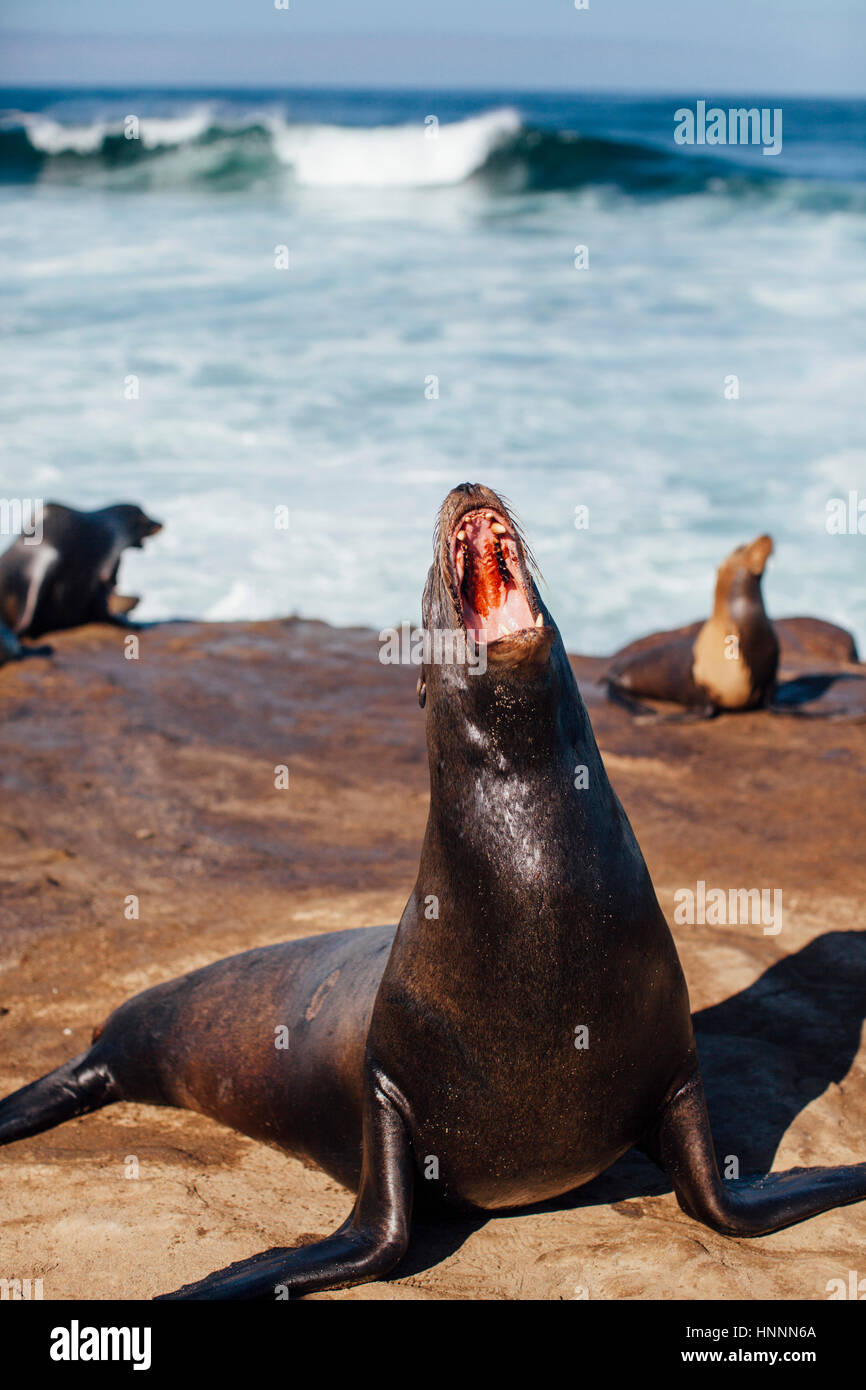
[
  {"x": 68, "y": 576},
  {"x": 527, "y": 1022},
  {"x": 800, "y": 640},
  {"x": 729, "y": 664}
]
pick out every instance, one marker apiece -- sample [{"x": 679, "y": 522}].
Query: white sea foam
[
  {"x": 306, "y": 388},
  {"x": 52, "y": 137},
  {"x": 155, "y": 132},
  {"x": 404, "y": 156}
]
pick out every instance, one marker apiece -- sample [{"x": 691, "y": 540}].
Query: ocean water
[{"x": 416, "y": 252}]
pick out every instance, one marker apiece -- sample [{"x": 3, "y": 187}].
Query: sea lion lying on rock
[{"x": 730, "y": 662}]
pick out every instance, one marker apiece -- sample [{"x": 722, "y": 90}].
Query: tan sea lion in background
[{"x": 730, "y": 662}]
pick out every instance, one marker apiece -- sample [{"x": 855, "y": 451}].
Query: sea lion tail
[
  {"x": 76, "y": 1088},
  {"x": 618, "y": 695}
]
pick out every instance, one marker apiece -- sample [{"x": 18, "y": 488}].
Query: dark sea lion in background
[
  {"x": 525, "y": 1025},
  {"x": 68, "y": 577},
  {"x": 731, "y": 661}
]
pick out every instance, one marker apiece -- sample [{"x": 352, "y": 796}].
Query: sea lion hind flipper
[
  {"x": 618, "y": 695},
  {"x": 683, "y": 1145},
  {"x": 370, "y": 1242},
  {"x": 687, "y": 716},
  {"x": 645, "y": 714},
  {"x": 76, "y": 1088}
]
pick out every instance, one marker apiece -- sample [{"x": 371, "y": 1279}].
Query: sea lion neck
[
  {"x": 739, "y": 599},
  {"x": 506, "y": 720}
]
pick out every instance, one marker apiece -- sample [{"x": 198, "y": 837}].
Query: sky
[{"x": 689, "y": 46}]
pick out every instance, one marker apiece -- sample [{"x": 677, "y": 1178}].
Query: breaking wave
[{"x": 202, "y": 147}]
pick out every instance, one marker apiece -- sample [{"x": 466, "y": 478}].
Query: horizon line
[{"x": 72, "y": 85}]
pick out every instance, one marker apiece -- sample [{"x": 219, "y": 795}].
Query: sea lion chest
[
  {"x": 720, "y": 667},
  {"x": 531, "y": 1061},
  {"x": 736, "y": 652}
]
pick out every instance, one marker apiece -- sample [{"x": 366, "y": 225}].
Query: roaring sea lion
[
  {"x": 525, "y": 1024},
  {"x": 67, "y": 577},
  {"x": 730, "y": 663}
]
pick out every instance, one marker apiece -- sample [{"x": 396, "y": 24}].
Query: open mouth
[{"x": 489, "y": 577}]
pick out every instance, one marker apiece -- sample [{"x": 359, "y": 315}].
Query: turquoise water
[{"x": 410, "y": 258}]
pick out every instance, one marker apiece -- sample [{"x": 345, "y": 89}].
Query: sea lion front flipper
[
  {"x": 683, "y": 1145},
  {"x": 370, "y": 1242}
]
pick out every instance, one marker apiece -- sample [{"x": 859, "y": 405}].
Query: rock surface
[{"x": 155, "y": 778}]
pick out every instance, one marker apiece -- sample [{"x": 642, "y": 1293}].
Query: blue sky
[{"x": 784, "y": 46}]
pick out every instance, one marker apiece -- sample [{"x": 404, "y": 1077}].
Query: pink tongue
[
  {"x": 493, "y": 607},
  {"x": 511, "y": 616}
]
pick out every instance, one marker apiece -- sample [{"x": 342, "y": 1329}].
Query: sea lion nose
[{"x": 474, "y": 493}]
